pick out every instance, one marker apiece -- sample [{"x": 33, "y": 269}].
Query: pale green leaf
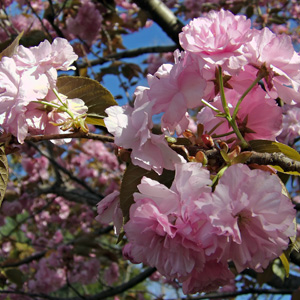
[
  {"x": 278, "y": 269},
  {"x": 96, "y": 97}
]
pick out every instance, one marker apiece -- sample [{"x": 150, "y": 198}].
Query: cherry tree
[{"x": 191, "y": 187}]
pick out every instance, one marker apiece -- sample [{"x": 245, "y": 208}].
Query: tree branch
[
  {"x": 128, "y": 54},
  {"x": 163, "y": 16},
  {"x": 102, "y": 295}
]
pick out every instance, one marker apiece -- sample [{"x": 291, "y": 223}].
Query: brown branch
[
  {"x": 128, "y": 54},
  {"x": 74, "y": 195},
  {"x": 273, "y": 159},
  {"x": 79, "y": 134},
  {"x": 223, "y": 295},
  {"x": 102, "y": 295}
]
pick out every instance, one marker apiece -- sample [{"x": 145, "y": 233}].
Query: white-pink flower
[
  {"x": 16, "y": 92},
  {"x": 132, "y": 130},
  {"x": 46, "y": 59}
]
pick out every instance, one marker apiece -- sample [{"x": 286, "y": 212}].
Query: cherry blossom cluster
[
  {"x": 29, "y": 102},
  {"x": 190, "y": 233},
  {"x": 245, "y": 56},
  {"x": 226, "y": 81}
]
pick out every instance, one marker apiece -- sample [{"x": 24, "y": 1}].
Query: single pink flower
[
  {"x": 256, "y": 219},
  {"x": 277, "y": 54},
  {"x": 166, "y": 229},
  {"x": 174, "y": 90},
  {"x": 219, "y": 38}
]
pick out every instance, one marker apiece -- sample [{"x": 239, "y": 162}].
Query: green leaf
[
  {"x": 263, "y": 146},
  {"x": 96, "y": 97},
  {"x": 16, "y": 276},
  {"x": 3, "y": 173},
  {"x": 11, "y": 49},
  {"x": 132, "y": 177}
]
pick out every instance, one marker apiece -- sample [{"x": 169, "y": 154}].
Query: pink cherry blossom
[
  {"x": 277, "y": 54},
  {"x": 46, "y": 59},
  {"x": 174, "y": 90},
  {"x": 132, "y": 130},
  {"x": 112, "y": 274},
  {"x": 109, "y": 210},
  {"x": 165, "y": 229},
  {"x": 16, "y": 92},
  {"x": 86, "y": 24},
  {"x": 258, "y": 117},
  {"x": 256, "y": 218},
  {"x": 290, "y": 124},
  {"x": 219, "y": 38}
]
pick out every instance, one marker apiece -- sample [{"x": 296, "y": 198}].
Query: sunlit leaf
[
  {"x": 285, "y": 264},
  {"x": 3, "y": 173},
  {"x": 132, "y": 177},
  {"x": 96, "y": 97},
  {"x": 11, "y": 49}
]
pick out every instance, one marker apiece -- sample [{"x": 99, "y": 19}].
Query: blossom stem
[
  {"x": 222, "y": 93},
  {"x": 231, "y": 120},
  {"x": 210, "y": 106},
  {"x": 254, "y": 83},
  {"x": 222, "y": 135},
  {"x": 47, "y": 104}
]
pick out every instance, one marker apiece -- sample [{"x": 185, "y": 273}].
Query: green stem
[
  {"x": 254, "y": 83},
  {"x": 58, "y": 97},
  {"x": 214, "y": 136},
  {"x": 231, "y": 121},
  {"x": 235, "y": 128},
  {"x": 222, "y": 93},
  {"x": 210, "y": 106},
  {"x": 219, "y": 174},
  {"x": 47, "y": 104}
]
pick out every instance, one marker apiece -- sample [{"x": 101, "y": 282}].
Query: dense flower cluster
[
  {"x": 189, "y": 230},
  {"x": 245, "y": 55},
  {"x": 27, "y": 100}
]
